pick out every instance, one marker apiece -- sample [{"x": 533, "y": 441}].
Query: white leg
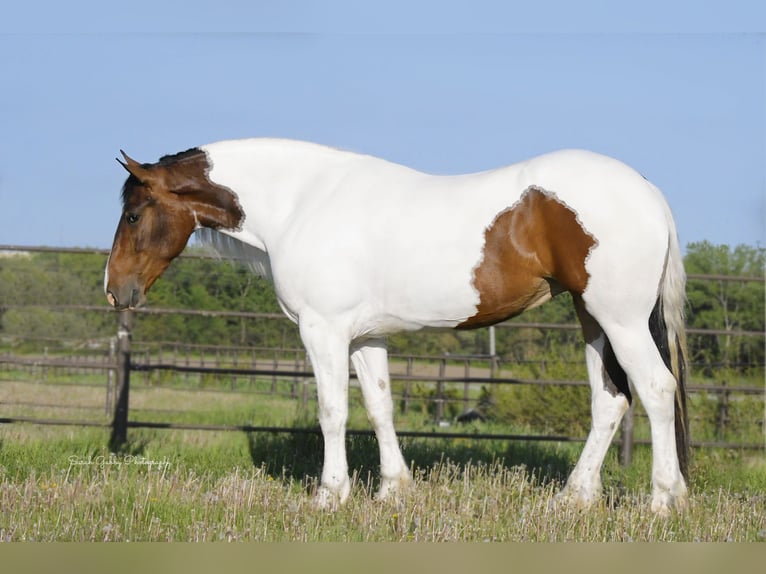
[
  {"x": 656, "y": 387},
  {"x": 370, "y": 360},
  {"x": 328, "y": 352},
  {"x": 584, "y": 487}
]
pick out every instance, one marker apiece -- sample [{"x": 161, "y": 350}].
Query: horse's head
[{"x": 162, "y": 204}]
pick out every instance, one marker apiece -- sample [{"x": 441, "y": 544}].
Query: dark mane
[
  {"x": 165, "y": 160},
  {"x": 190, "y": 153}
]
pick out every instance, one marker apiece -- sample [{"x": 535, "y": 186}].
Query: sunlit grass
[{"x": 63, "y": 485}]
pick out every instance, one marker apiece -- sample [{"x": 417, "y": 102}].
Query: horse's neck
[{"x": 272, "y": 179}]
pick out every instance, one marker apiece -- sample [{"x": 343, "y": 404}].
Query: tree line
[{"x": 34, "y": 288}]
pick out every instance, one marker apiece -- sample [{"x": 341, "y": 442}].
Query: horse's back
[{"x": 406, "y": 246}]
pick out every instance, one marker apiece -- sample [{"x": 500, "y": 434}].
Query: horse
[{"x": 358, "y": 248}]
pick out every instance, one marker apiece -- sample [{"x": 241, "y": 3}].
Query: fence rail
[
  {"x": 515, "y": 324},
  {"x": 122, "y": 361},
  {"x": 105, "y": 364},
  {"x": 125, "y": 358}
]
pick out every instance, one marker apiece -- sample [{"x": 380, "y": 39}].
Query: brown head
[{"x": 162, "y": 204}]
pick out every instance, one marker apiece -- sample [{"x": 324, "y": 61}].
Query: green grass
[{"x": 63, "y": 485}]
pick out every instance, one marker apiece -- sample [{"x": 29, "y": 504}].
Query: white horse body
[
  {"x": 359, "y": 247},
  {"x": 391, "y": 248}
]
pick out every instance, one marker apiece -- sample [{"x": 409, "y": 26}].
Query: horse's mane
[
  {"x": 170, "y": 159},
  {"x": 226, "y": 246}
]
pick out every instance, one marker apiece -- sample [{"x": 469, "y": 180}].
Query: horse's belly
[{"x": 430, "y": 285}]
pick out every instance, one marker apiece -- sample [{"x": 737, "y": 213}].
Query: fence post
[
  {"x": 275, "y": 366},
  {"x": 44, "y": 367},
  {"x": 235, "y": 362},
  {"x": 723, "y": 412},
  {"x": 626, "y": 434},
  {"x": 110, "y": 375},
  {"x": 305, "y": 395},
  {"x": 407, "y": 387},
  {"x": 467, "y": 386},
  {"x": 148, "y": 372},
  {"x": 120, "y": 420},
  {"x": 492, "y": 353},
  {"x": 253, "y": 366},
  {"x": 439, "y": 402}
]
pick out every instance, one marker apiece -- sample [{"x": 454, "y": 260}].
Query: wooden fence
[{"x": 126, "y": 359}]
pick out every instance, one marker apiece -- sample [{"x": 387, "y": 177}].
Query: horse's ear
[{"x": 134, "y": 168}]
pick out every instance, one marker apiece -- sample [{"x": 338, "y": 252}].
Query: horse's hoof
[
  {"x": 392, "y": 488},
  {"x": 579, "y": 499},
  {"x": 664, "y": 504},
  {"x": 331, "y": 499},
  {"x": 326, "y": 499}
]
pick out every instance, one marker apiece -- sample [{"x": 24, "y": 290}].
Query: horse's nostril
[
  {"x": 135, "y": 298},
  {"x": 111, "y": 299}
]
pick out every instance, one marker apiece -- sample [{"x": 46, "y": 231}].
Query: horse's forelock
[{"x": 128, "y": 188}]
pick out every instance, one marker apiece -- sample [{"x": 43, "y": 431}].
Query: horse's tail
[{"x": 667, "y": 326}]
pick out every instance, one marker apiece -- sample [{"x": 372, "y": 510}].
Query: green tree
[
  {"x": 36, "y": 281},
  {"x": 727, "y": 305}
]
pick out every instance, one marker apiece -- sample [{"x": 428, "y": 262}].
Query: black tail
[{"x": 672, "y": 348}]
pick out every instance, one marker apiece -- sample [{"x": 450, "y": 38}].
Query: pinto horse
[{"x": 359, "y": 248}]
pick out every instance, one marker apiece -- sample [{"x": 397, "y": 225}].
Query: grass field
[{"x": 61, "y": 484}]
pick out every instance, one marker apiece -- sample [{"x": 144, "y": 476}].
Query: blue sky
[{"x": 444, "y": 87}]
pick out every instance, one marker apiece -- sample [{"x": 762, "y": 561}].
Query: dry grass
[
  {"x": 61, "y": 484},
  {"x": 99, "y": 497}
]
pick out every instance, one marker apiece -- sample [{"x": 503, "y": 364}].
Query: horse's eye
[{"x": 132, "y": 218}]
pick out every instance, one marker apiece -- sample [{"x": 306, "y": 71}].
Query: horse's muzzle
[{"x": 128, "y": 299}]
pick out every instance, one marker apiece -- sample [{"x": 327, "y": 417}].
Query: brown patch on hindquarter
[{"x": 532, "y": 251}]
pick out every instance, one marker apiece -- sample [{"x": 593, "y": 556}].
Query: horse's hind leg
[
  {"x": 656, "y": 387},
  {"x": 370, "y": 360},
  {"x": 610, "y": 398}
]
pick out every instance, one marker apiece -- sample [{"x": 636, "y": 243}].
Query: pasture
[{"x": 63, "y": 484}]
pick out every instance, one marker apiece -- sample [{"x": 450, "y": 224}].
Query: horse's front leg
[
  {"x": 328, "y": 351},
  {"x": 370, "y": 360}
]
